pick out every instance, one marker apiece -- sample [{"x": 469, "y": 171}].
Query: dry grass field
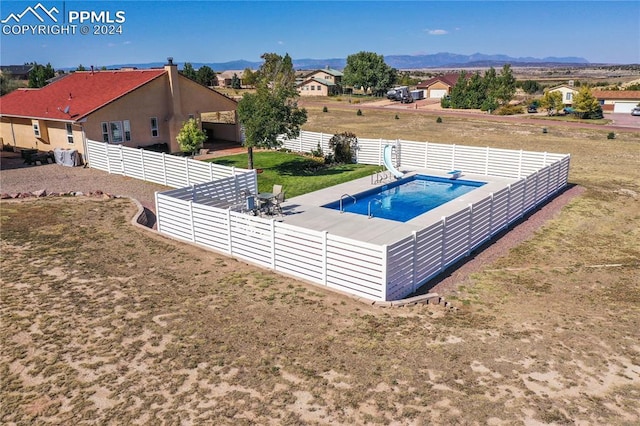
[{"x": 107, "y": 323}]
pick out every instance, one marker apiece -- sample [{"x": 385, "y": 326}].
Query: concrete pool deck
[{"x": 306, "y": 211}]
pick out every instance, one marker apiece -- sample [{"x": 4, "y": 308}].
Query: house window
[
  {"x": 69, "y": 133},
  {"x": 127, "y": 130},
  {"x": 318, "y": 87},
  {"x": 105, "y": 132},
  {"x": 192, "y": 117},
  {"x": 568, "y": 97},
  {"x": 115, "y": 128},
  {"x": 36, "y": 130},
  {"x": 154, "y": 127}
]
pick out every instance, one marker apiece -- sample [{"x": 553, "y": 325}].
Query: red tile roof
[
  {"x": 449, "y": 79},
  {"x": 83, "y": 92},
  {"x": 617, "y": 94}
]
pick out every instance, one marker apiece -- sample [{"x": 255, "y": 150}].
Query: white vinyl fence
[
  {"x": 210, "y": 215},
  {"x": 156, "y": 167}
]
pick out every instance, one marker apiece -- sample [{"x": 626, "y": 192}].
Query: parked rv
[{"x": 401, "y": 94}]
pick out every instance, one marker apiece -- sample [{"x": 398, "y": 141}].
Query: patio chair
[
  {"x": 277, "y": 203},
  {"x": 277, "y": 189},
  {"x": 251, "y": 207}
]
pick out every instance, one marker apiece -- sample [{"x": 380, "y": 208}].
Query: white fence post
[
  {"x": 520, "y": 166},
  {"x": 144, "y": 172},
  {"x": 414, "y": 263},
  {"x": 385, "y": 271},
  {"x": 158, "y": 224},
  {"x": 124, "y": 172},
  {"x": 486, "y": 163},
  {"x": 186, "y": 164},
  {"x": 453, "y": 158},
  {"x": 443, "y": 242},
  {"x": 273, "y": 244},
  {"x": 164, "y": 169},
  {"x": 229, "y": 232},
  {"x": 426, "y": 154},
  {"x": 324, "y": 257},
  {"x": 193, "y": 227},
  {"x": 106, "y": 152},
  {"x": 470, "y": 229}
]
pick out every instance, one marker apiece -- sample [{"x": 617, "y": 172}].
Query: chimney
[{"x": 176, "y": 117}]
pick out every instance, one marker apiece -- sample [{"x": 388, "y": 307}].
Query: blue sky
[{"x": 221, "y": 31}]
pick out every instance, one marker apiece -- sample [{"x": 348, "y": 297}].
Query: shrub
[
  {"x": 343, "y": 146},
  {"x": 510, "y": 110},
  {"x": 324, "y": 109},
  {"x": 397, "y": 118},
  {"x": 359, "y": 112},
  {"x": 439, "y": 120},
  {"x": 339, "y": 99},
  {"x": 356, "y": 101},
  {"x": 611, "y": 135},
  {"x": 317, "y": 152}
]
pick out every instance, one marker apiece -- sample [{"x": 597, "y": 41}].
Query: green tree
[
  {"x": 189, "y": 72},
  {"x": 235, "y": 81},
  {"x": 40, "y": 74},
  {"x": 7, "y": 83},
  {"x": 586, "y": 105},
  {"x": 249, "y": 77},
  {"x": 81, "y": 68},
  {"x": 552, "y": 102},
  {"x": 191, "y": 137},
  {"x": 272, "y": 110},
  {"x": 530, "y": 86},
  {"x": 206, "y": 76},
  {"x": 369, "y": 71},
  {"x": 505, "y": 87},
  {"x": 459, "y": 92}
]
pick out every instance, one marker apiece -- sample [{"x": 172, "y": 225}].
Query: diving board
[{"x": 386, "y": 158}]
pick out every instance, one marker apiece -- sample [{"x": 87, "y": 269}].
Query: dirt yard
[{"x": 104, "y": 322}]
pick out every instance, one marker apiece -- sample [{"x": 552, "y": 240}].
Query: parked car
[
  {"x": 532, "y": 109},
  {"x": 635, "y": 111}
]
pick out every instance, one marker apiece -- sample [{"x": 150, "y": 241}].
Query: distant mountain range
[{"x": 437, "y": 60}]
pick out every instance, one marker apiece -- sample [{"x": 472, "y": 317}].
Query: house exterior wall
[
  {"x": 313, "y": 88},
  {"x": 567, "y": 94},
  {"x": 136, "y": 109},
  {"x": 325, "y": 76},
  {"x": 19, "y": 133}
]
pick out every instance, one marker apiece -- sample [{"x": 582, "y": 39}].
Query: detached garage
[
  {"x": 440, "y": 86},
  {"x": 618, "y": 101}
]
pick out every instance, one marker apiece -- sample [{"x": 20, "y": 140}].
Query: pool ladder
[
  {"x": 343, "y": 197},
  {"x": 369, "y": 214}
]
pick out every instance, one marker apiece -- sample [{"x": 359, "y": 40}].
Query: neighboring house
[
  {"x": 622, "y": 101},
  {"x": 18, "y": 72},
  {"x": 225, "y": 78},
  {"x": 568, "y": 92},
  {"x": 324, "y": 82},
  {"x": 133, "y": 108},
  {"x": 440, "y": 86}
]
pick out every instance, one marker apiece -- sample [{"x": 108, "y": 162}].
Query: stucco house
[
  {"x": 439, "y": 86},
  {"x": 622, "y": 101},
  {"x": 568, "y": 92},
  {"x": 129, "y": 107},
  {"x": 324, "y": 82}
]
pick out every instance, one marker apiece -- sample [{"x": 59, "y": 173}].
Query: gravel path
[{"x": 17, "y": 177}]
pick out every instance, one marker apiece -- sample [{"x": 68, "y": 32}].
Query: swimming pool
[{"x": 405, "y": 199}]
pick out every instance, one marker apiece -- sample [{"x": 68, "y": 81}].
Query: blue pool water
[{"x": 405, "y": 199}]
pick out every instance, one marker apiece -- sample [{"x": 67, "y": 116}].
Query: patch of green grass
[{"x": 297, "y": 174}]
